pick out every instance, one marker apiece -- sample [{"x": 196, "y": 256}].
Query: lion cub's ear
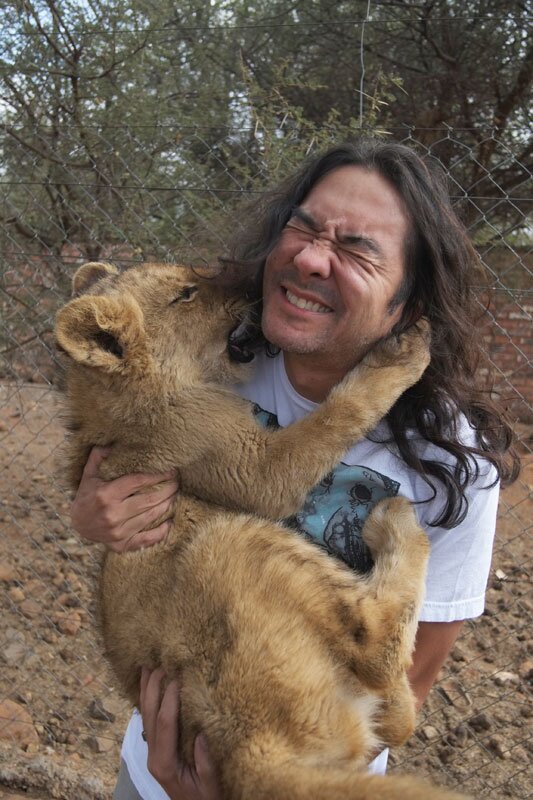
[
  {"x": 89, "y": 273},
  {"x": 104, "y": 332}
]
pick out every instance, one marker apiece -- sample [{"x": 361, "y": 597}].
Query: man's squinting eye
[
  {"x": 299, "y": 228},
  {"x": 185, "y": 295},
  {"x": 351, "y": 252}
]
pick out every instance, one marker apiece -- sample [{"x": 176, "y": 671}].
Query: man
[{"x": 358, "y": 245}]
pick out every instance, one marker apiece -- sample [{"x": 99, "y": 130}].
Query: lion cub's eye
[{"x": 186, "y": 295}]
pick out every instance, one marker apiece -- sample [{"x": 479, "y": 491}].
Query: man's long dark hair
[{"x": 440, "y": 264}]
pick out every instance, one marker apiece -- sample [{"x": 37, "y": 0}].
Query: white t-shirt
[{"x": 333, "y": 516}]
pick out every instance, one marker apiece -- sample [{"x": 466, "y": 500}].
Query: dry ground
[{"x": 475, "y": 730}]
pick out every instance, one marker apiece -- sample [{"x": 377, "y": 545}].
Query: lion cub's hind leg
[
  {"x": 379, "y": 612},
  {"x": 387, "y": 614},
  {"x": 395, "y": 589}
]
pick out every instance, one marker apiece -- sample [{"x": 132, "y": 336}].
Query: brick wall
[{"x": 508, "y": 335}]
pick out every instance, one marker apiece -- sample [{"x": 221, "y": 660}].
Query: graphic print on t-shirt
[{"x": 335, "y": 510}]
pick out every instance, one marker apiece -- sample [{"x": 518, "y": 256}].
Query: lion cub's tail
[{"x": 301, "y": 783}]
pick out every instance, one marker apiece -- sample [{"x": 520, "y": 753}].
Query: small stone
[
  {"x": 36, "y": 588},
  {"x": 506, "y": 678},
  {"x": 461, "y": 735},
  {"x": 99, "y": 744},
  {"x": 68, "y": 600},
  {"x": 481, "y": 722},
  {"x": 457, "y": 655},
  {"x": 14, "y": 653},
  {"x": 452, "y": 691},
  {"x": 55, "y": 730},
  {"x": 17, "y": 724},
  {"x": 7, "y": 572},
  {"x": 525, "y": 670},
  {"x": 97, "y": 710},
  {"x": 16, "y": 594},
  {"x": 32, "y": 660},
  {"x": 429, "y": 733},
  {"x": 445, "y": 754},
  {"x": 451, "y": 739},
  {"x": 498, "y": 746},
  {"x": 30, "y": 608},
  {"x": 14, "y": 635},
  {"x": 68, "y": 623}
]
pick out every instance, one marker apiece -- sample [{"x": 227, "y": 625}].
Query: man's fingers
[
  {"x": 146, "y": 523},
  {"x": 167, "y": 721},
  {"x": 160, "y": 712},
  {"x": 138, "y": 504},
  {"x": 141, "y": 530},
  {"x": 125, "y": 513},
  {"x": 145, "y": 674},
  {"x": 139, "y": 482},
  {"x": 149, "y": 701},
  {"x": 138, "y": 541},
  {"x": 96, "y": 456},
  {"x": 205, "y": 768}
]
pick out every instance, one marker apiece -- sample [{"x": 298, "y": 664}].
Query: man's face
[{"x": 339, "y": 262}]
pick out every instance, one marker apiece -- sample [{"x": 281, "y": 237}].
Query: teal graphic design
[
  {"x": 335, "y": 511},
  {"x": 265, "y": 418}
]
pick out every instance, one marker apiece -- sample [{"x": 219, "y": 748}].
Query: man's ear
[
  {"x": 89, "y": 273},
  {"x": 104, "y": 332}
]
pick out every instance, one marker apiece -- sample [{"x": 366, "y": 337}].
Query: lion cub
[{"x": 292, "y": 664}]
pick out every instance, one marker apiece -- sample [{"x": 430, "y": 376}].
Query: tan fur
[{"x": 292, "y": 664}]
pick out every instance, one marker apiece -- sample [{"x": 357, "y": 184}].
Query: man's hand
[
  {"x": 117, "y": 512},
  {"x": 160, "y": 724}
]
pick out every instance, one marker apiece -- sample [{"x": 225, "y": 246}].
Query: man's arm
[{"x": 434, "y": 640}]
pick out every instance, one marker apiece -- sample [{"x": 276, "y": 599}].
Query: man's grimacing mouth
[{"x": 305, "y": 305}]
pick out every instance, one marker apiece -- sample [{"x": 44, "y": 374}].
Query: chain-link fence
[{"x": 173, "y": 193}]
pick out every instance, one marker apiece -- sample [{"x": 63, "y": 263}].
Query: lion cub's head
[{"x": 153, "y": 320}]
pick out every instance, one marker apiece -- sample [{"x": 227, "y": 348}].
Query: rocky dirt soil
[{"x": 61, "y": 721}]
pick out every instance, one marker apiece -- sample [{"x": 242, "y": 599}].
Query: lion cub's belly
[{"x": 238, "y": 612}]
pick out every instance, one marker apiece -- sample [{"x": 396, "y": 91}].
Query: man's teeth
[{"x": 299, "y": 302}]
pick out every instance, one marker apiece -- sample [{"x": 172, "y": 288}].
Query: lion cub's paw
[
  {"x": 392, "y": 527},
  {"x": 411, "y": 349}
]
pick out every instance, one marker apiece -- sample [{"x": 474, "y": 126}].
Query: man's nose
[{"x": 315, "y": 258}]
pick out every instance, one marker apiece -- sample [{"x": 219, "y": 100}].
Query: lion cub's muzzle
[
  {"x": 237, "y": 341},
  {"x": 241, "y": 335}
]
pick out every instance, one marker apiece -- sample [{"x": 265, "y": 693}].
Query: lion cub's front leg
[
  {"x": 290, "y": 461},
  {"x": 370, "y": 390}
]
